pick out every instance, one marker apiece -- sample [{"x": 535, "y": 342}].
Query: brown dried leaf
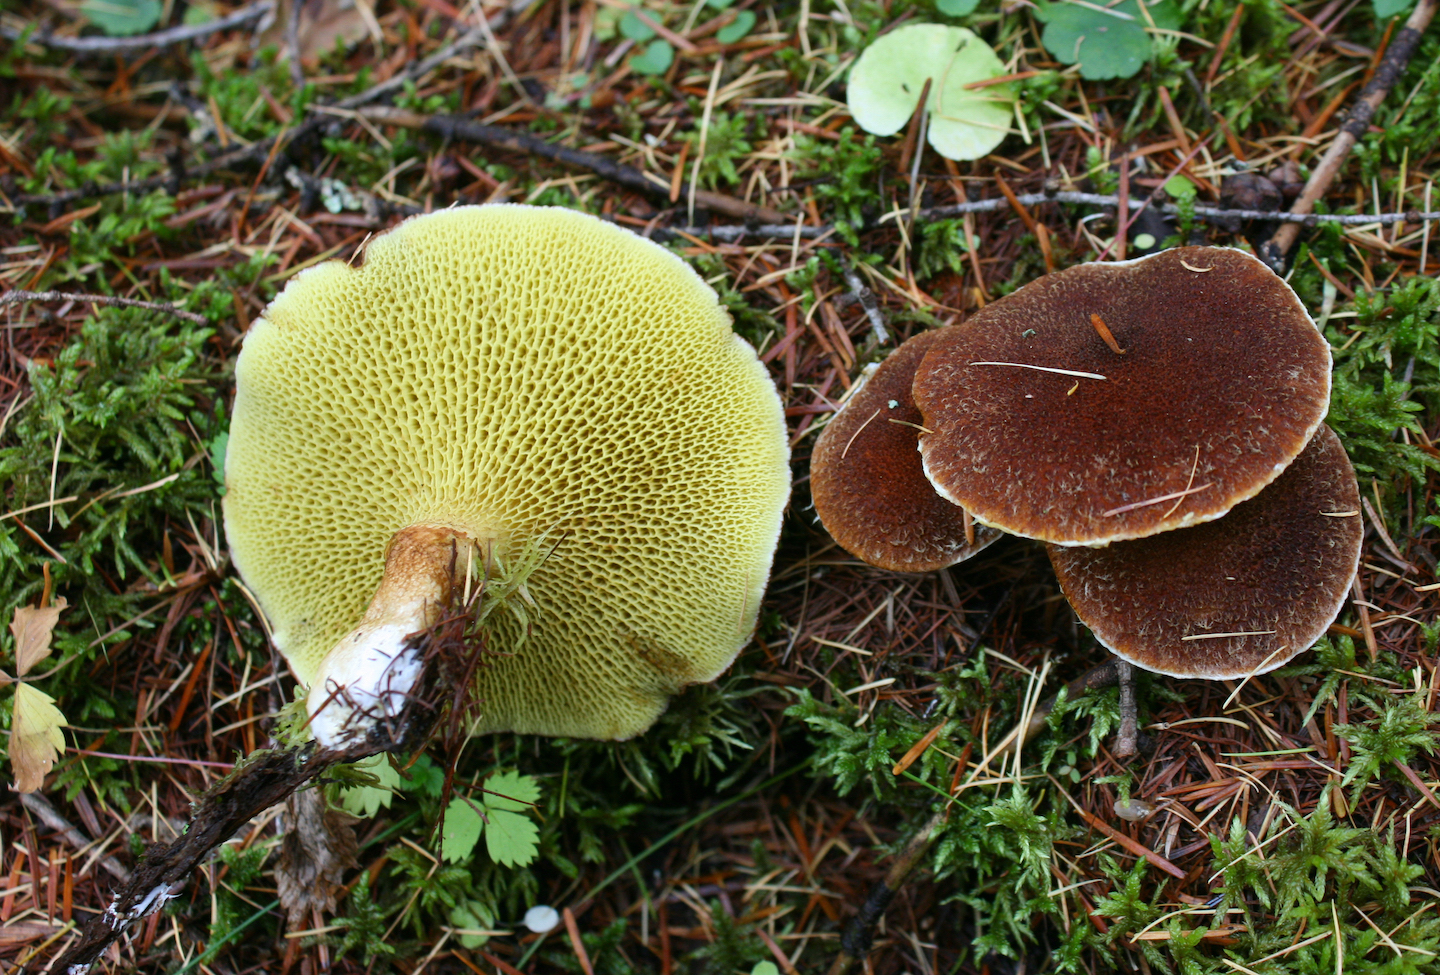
[
  {"x": 32, "y": 628},
  {"x": 315, "y": 853},
  {"x": 35, "y": 737}
]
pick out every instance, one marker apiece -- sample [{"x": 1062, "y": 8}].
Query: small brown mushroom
[
  {"x": 869, "y": 487},
  {"x": 1205, "y": 381},
  {"x": 1233, "y": 597}
]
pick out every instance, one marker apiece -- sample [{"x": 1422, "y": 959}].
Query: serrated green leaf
[
  {"x": 35, "y": 737},
  {"x": 635, "y": 28},
  {"x": 511, "y": 838},
  {"x": 965, "y": 123},
  {"x": 655, "y": 59},
  {"x": 742, "y": 24},
  {"x": 366, "y": 800},
  {"x": 424, "y": 777},
  {"x": 463, "y": 826},
  {"x": 122, "y": 17},
  {"x": 511, "y": 791}
]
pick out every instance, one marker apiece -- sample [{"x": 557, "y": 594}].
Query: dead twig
[
  {"x": 453, "y": 127},
  {"x": 109, "y": 301},
  {"x": 120, "y": 45},
  {"x": 1397, "y": 56}
]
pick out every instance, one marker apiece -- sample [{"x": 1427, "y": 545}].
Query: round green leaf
[
  {"x": 655, "y": 59},
  {"x": 956, "y": 8},
  {"x": 635, "y": 28},
  {"x": 1107, "y": 42},
  {"x": 122, "y": 17},
  {"x": 887, "y": 79},
  {"x": 737, "y": 28}
]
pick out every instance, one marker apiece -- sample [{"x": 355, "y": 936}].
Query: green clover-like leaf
[
  {"x": 743, "y": 23},
  {"x": 956, "y": 8},
  {"x": 1106, "y": 41},
  {"x": 965, "y": 123},
  {"x": 655, "y": 59},
  {"x": 635, "y": 28},
  {"x": 1385, "y": 9},
  {"x": 122, "y": 17}
]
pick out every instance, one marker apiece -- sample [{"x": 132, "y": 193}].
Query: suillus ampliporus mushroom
[
  {"x": 1100, "y": 409},
  {"x": 1113, "y": 401},
  {"x": 505, "y": 389},
  {"x": 867, "y": 482}
]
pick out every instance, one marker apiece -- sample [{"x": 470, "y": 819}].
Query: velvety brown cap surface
[
  {"x": 869, "y": 488},
  {"x": 1222, "y": 382},
  {"x": 1277, "y": 569}
]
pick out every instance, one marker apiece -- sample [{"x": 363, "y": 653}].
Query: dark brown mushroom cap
[
  {"x": 1277, "y": 568},
  {"x": 869, "y": 488},
  {"x": 1222, "y": 382}
]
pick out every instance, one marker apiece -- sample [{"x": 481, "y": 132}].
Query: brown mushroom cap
[
  {"x": 869, "y": 487},
  {"x": 1222, "y": 381},
  {"x": 1276, "y": 569}
]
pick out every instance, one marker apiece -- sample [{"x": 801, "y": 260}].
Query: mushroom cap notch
[
  {"x": 867, "y": 481},
  {"x": 508, "y": 374},
  {"x": 1212, "y": 379},
  {"x": 1237, "y": 596}
]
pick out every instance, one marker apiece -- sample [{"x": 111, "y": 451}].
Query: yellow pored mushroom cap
[{"x": 515, "y": 374}]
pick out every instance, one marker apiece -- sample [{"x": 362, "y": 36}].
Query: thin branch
[
  {"x": 16, "y": 297},
  {"x": 866, "y": 297},
  {"x": 1397, "y": 56},
  {"x": 121, "y": 45},
  {"x": 455, "y": 127}
]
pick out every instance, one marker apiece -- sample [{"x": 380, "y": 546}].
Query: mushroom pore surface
[
  {"x": 1221, "y": 383},
  {"x": 1276, "y": 569},
  {"x": 867, "y": 482},
  {"x": 523, "y": 379}
]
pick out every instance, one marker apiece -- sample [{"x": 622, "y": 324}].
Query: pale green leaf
[
  {"x": 655, "y": 59},
  {"x": 35, "y": 737},
  {"x": 737, "y": 28},
  {"x": 366, "y": 800},
  {"x": 635, "y": 28},
  {"x": 463, "y": 826},
  {"x": 471, "y": 917},
  {"x": 886, "y": 82},
  {"x": 122, "y": 17},
  {"x": 954, "y": 8},
  {"x": 511, "y": 791},
  {"x": 511, "y": 838}
]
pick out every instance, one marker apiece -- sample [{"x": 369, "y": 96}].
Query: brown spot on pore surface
[
  {"x": 869, "y": 488},
  {"x": 1228, "y": 362},
  {"x": 1282, "y": 561}
]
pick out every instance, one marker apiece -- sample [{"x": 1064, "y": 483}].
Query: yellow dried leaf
[
  {"x": 32, "y": 627},
  {"x": 35, "y": 737}
]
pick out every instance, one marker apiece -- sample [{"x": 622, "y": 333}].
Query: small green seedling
[
  {"x": 1106, "y": 41},
  {"x": 965, "y": 122}
]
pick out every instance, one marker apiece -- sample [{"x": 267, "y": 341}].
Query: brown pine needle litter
[{"x": 156, "y": 197}]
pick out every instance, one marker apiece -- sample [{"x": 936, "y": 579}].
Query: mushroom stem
[
  {"x": 1127, "y": 738},
  {"x": 372, "y": 669}
]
